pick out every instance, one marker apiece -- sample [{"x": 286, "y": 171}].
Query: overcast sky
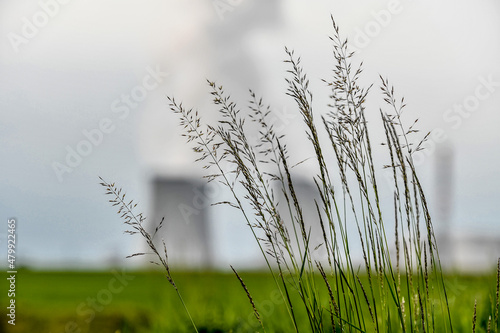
[{"x": 71, "y": 69}]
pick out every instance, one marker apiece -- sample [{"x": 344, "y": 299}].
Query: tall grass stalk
[{"x": 402, "y": 291}]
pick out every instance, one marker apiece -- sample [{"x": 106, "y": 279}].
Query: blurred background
[
  {"x": 83, "y": 89},
  {"x": 83, "y": 94}
]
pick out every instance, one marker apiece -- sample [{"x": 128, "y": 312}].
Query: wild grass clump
[{"x": 392, "y": 292}]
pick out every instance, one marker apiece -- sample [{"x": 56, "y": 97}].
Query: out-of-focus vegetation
[{"x": 58, "y": 302}]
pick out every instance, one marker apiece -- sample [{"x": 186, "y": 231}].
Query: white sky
[{"x": 66, "y": 77}]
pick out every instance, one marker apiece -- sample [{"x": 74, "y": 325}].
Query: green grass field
[{"x": 61, "y": 302}]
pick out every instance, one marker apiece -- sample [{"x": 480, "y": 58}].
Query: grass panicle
[
  {"x": 136, "y": 224},
  {"x": 243, "y": 285},
  {"x": 474, "y": 317}
]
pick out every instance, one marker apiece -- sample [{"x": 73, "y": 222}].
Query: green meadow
[{"x": 57, "y": 302}]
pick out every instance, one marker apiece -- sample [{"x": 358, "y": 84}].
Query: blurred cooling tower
[
  {"x": 185, "y": 228},
  {"x": 223, "y": 49}
]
